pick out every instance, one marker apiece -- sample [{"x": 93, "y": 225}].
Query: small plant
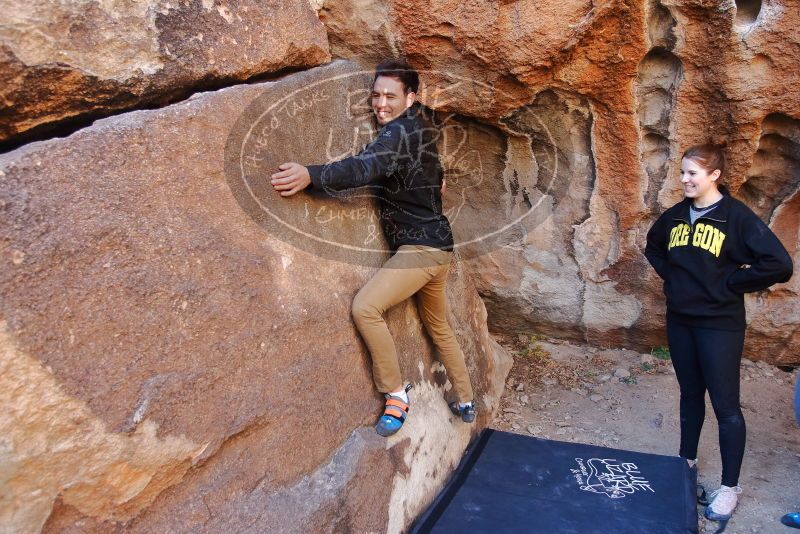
[
  {"x": 586, "y": 373},
  {"x": 660, "y": 353},
  {"x": 630, "y": 380},
  {"x": 647, "y": 367},
  {"x": 534, "y": 351}
]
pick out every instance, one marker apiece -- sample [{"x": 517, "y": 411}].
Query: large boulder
[
  {"x": 65, "y": 62},
  {"x": 174, "y": 361},
  {"x": 580, "y": 113}
]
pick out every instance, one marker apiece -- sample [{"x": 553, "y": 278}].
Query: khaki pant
[{"x": 420, "y": 270}]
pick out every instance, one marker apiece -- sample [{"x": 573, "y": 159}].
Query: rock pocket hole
[
  {"x": 660, "y": 73},
  {"x": 558, "y": 126},
  {"x": 660, "y": 26},
  {"x": 747, "y": 12},
  {"x": 775, "y": 173},
  {"x": 655, "y": 157}
]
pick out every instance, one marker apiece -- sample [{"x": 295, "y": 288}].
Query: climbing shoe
[
  {"x": 394, "y": 415},
  {"x": 465, "y": 411}
]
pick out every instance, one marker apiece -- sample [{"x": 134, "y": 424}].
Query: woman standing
[{"x": 710, "y": 249}]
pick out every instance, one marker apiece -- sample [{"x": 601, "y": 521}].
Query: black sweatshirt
[
  {"x": 703, "y": 265},
  {"x": 402, "y": 167}
]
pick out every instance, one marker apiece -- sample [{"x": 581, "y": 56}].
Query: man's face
[{"x": 388, "y": 99}]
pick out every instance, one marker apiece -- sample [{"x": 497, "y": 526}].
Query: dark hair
[
  {"x": 708, "y": 155},
  {"x": 395, "y": 68}
]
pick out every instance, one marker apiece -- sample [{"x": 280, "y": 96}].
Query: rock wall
[
  {"x": 590, "y": 106},
  {"x": 175, "y": 341},
  {"x": 650, "y": 77},
  {"x": 65, "y": 62},
  {"x": 169, "y": 363}
]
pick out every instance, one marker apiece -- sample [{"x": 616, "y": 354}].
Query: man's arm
[{"x": 369, "y": 165}]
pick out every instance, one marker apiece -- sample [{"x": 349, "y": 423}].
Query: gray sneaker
[
  {"x": 465, "y": 411},
  {"x": 722, "y": 503}
]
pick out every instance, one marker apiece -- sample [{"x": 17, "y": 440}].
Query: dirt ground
[{"x": 627, "y": 400}]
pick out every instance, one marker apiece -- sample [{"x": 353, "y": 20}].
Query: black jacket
[
  {"x": 401, "y": 167},
  {"x": 703, "y": 265}
]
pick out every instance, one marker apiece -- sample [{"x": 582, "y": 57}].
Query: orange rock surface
[{"x": 650, "y": 78}]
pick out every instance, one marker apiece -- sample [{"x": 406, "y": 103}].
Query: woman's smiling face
[{"x": 697, "y": 182}]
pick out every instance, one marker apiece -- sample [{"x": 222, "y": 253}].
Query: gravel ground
[{"x": 623, "y": 399}]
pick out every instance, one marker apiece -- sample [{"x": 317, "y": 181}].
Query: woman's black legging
[{"x": 708, "y": 359}]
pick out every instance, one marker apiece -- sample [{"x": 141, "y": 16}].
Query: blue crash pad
[{"x": 509, "y": 483}]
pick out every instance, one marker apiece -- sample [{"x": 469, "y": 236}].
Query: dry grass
[{"x": 533, "y": 364}]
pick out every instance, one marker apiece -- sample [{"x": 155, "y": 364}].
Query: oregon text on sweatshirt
[{"x": 709, "y": 265}]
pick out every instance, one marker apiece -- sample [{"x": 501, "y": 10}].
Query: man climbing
[{"x": 403, "y": 166}]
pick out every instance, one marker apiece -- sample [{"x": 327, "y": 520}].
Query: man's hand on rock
[{"x": 292, "y": 178}]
